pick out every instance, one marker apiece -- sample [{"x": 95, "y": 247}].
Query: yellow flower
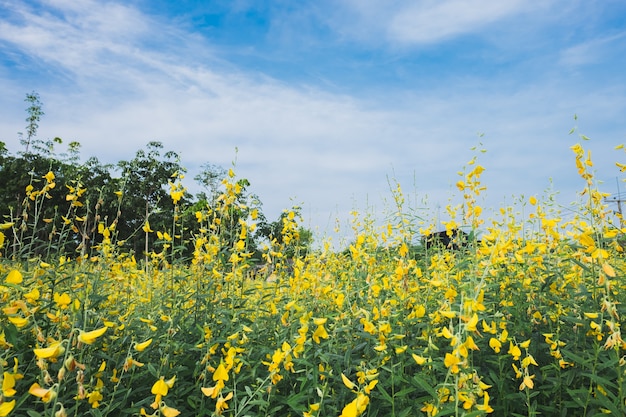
[
  {"x": 209, "y": 392},
  {"x": 320, "y": 332},
  {"x": 169, "y": 411},
  {"x": 62, "y": 300},
  {"x": 608, "y": 270},
  {"x": 160, "y": 387},
  {"x": 90, "y": 337},
  {"x": 5, "y": 226},
  {"x": 19, "y": 322},
  {"x": 146, "y": 227},
  {"x": 220, "y": 373},
  {"x": 472, "y": 323},
  {"x": 55, "y": 350},
  {"x": 452, "y": 362},
  {"x": 527, "y": 382},
  {"x": 495, "y": 344},
  {"x": 140, "y": 347},
  {"x": 356, "y": 407},
  {"x": 347, "y": 382},
  {"x": 420, "y": 360},
  {"x": 221, "y": 403},
  {"x": 8, "y": 384},
  {"x": 514, "y": 351},
  {"x": 49, "y": 176},
  {"x": 14, "y": 277},
  {"x": 46, "y": 394},
  {"x": 94, "y": 398},
  {"x": 6, "y": 407}
]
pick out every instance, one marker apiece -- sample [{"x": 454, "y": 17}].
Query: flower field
[{"x": 524, "y": 321}]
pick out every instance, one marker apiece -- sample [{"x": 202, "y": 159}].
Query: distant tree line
[{"x": 56, "y": 204}]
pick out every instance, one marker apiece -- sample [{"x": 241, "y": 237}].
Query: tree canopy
[{"x": 53, "y": 203}]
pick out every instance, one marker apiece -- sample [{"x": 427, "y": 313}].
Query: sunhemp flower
[
  {"x": 55, "y": 350},
  {"x": 14, "y": 277},
  {"x": 320, "y": 332},
  {"x": 90, "y": 337},
  {"x": 46, "y": 394},
  {"x": 6, "y": 408},
  {"x": 140, "y": 347},
  {"x": 356, "y": 407},
  {"x": 160, "y": 389}
]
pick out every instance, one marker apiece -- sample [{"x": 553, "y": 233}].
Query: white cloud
[
  {"x": 330, "y": 151},
  {"x": 432, "y": 21},
  {"x": 591, "y": 51},
  {"x": 406, "y": 22}
]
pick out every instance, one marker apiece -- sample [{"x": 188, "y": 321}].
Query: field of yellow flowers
[{"x": 523, "y": 322}]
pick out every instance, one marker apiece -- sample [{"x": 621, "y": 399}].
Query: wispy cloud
[
  {"x": 120, "y": 78},
  {"x": 592, "y": 51},
  {"x": 431, "y": 21}
]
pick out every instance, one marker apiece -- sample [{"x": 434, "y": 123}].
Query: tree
[
  {"x": 35, "y": 111},
  {"x": 145, "y": 200}
]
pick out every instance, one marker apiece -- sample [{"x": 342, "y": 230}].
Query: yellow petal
[
  {"x": 14, "y": 277},
  {"x": 6, "y": 407},
  {"x": 420, "y": 360},
  {"x": 608, "y": 270},
  {"x": 142, "y": 346},
  {"x": 169, "y": 411},
  {"x": 5, "y": 226},
  {"x": 347, "y": 382},
  {"x": 220, "y": 373},
  {"x": 160, "y": 387},
  {"x": 18, "y": 321},
  {"x": 208, "y": 391},
  {"x": 170, "y": 382},
  {"x": 53, "y": 351},
  {"x": 90, "y": 337}
]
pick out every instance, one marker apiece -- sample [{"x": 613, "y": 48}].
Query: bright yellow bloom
[
  {"x": 7, "y": 225},
  {"x": 6, "y": 408},
  {"x": 220, "y": 373},
  {"x": 495, "y": 344},
  {"x": 142, "y": 346},
  {"x": 90, "y": 337},
  {"x": 221, "y": 403},
  {"x": 94, "y": 398},
  {"x": 169, "y": 411},
  {"x": 14, "y": 277},
  {"x": 356, "y": 407},
  {"x": 452, "y": 362},
  {"x": 49, "y": 176},
  {"x": 347, "y": 382},
  {"x": 62, "y": 300},
  {"x": 472, "y": 323},
  {"x": 320, "y": 332},
  {"x": 8, "y": 384},
  {"x": 527, "y": 382},
  {"x": 46, "y": 394},
  {"x": 19, "y": 322},
  {"x": 514, "y": 351},
  {"x": 146, "y": 227},
  {"x": 420, "y": 360},
  {"x": 55, "y": 350}
]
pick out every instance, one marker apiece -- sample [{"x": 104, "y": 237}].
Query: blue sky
[{"x": 326, "y": 101}]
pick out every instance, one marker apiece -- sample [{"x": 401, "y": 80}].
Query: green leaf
[{"x": 425, "y": 386}]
